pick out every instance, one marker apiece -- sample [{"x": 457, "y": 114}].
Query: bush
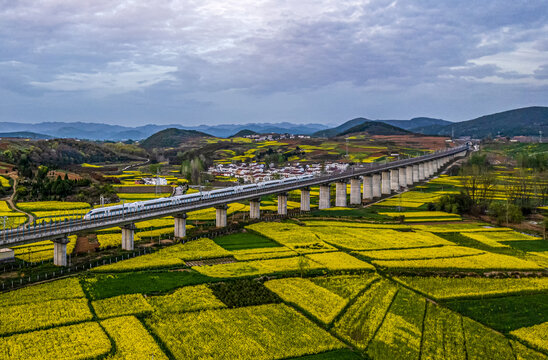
[{"x": 505, "y": 212}]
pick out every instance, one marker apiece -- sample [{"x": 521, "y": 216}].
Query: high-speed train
[{"x": 186, "y": 199}]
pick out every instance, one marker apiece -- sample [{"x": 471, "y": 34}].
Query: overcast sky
[{"x": 236, "y": 61}]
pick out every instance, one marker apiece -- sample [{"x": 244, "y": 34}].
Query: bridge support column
[
  {"x": 282, "y": 204},
  {"x": 416, "y": 177},
  {"x": 385, "y": 183},
  {"x": 180, "y": 226},
  {"x": 409, "y": 175},
  {"x": 325, "y": 197},
  {"x": 305, "y": 199},
  {"x": 355, "y": 192},
  {"x": 367, "y": 187},
  {"x": 431, "y": 168},
  {"x": 377, "y": 186},
  {"x": 255, "y": 209},
  {"x": 427, "y": 169},
  {"x": 128, "y": 232},
  {"x": 394, "y": 180},
  {"x": 220, "y": 216},
  {"x": 421, "y": 171},
  {"x": 403, "y": 176},
  {"x": 340, "y": 194},
  {"x": 60, "y": 251}
]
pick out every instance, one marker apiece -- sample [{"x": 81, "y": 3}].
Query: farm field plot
[
  {"x": 263, "y": 332},
  {"x": 443, "y": 288},
  {"x": 61, "y": 289},
  {"x": 321, "y": 303},
  {"x": 25, "y": 317},
  {"x": 486, "y": 261},
  {"x": 188, "y": 298},
  {"x": 499, "y": 239},
  {"x": 132, "y": 304},
  {"x": 132, "y": 340},
  {"x": 421, "y": 253},
  {"x": 81, "y": 341}
]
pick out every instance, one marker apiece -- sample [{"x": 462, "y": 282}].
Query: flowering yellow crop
[
  {"x": 399, "y": 336},
  {"x": 155, "y": 223},
  {"x": 261, "y": 332},
  {"x": 442, "y": 337},
  {"x": 155, "y": 233},
  {"x": 442, "y": 288},
  {"x": 536, "y": 335},
  {"x": 495, "y": 238},
  {"x": 132, "y": 340},
  {"x": 421, "y": 253},
  {"x": 31, "y": 316},
  {"x": 485, "y": 343},
  {"x": 263, "y": 253},
  {"x": 60, "y": 289},
  {"x": 466, "y": 227},
  {"x": 348, "y": 224},
  {"x": 419, "y": 214},
  {"x": 346, "y": 286},
  {"x": 361, "y": 319},
  {"x": 121, "y": 305},
  {"x": 188, "y": 298},
  {"x": 487, "y": 261},
  {"x": 316, "y": 300},
  {"x": 340, "y": 261},
  {"x": 52, "y": 205},
  {"x": 256, "y": 267},
  {"x": 81, "y": 341},
  {"x": 4, "y": 182},
  {"x": 366, "y": 239}
]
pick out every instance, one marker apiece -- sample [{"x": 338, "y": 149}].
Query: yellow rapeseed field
[
  {"x": 315, "y": 300},
  {"x": 130, "y": 304},
  {"x": 188, "y": 298},
  {"x": 132, "y": 340},
  {"x": 81, "y": 341}
]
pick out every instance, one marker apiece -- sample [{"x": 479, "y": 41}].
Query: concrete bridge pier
[
  {"x": 128, "y": 232},
  {"x": 305, "y": 199},
  {"x": 409, "y": 175},
  {"x": 340, "y": 194},
  {"x": 403, "y": 176},
  {"x": 416, "y": 173},
  {"x": 325, "y": 197},
  {"x": 385, "y": 183},
  {"x": 421, "y": 171},
  {"x": 255, "y": 209},
  {"x": 367, "y": 187},
  {"x": 427, "y": 169},
  {"x": 394, "y": 180},
  {"x": 377, "y": 186},
  {"x": 282, "y": 204},
  {"x": 220, "y": 216},
  {"x": 355, "y": 192},
  {"x": 180, "y": 225},
  {"x": 60, "y": 251}
]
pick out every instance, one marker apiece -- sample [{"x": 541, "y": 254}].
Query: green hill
[
  {"x": 375, "y": 128},
  {"x": 170, "y": 138},
  {"x": 244, "y": 132},
  {"x": 524, "y": 121},
  {"x": 341, "y": 128}
]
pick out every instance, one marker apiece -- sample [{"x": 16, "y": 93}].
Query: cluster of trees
[
  {"x": 194, "y": 169},
  {"x": 523, "y": 192},
  {"x": 40, "y": 186}
]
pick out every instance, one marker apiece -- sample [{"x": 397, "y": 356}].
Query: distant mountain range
[
  {"x": 97, "y": 131},
  {"x": 24, "y": 135},
  {"x": 525, "y": 121}
]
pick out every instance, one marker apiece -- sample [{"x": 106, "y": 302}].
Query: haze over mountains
[{"x": 524, "y": 121}]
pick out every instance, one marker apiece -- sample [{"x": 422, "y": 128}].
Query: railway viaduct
[{"x": 366, "y": 183}]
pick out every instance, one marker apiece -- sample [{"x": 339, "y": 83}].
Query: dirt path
[{"x": 12, "y": 206}]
